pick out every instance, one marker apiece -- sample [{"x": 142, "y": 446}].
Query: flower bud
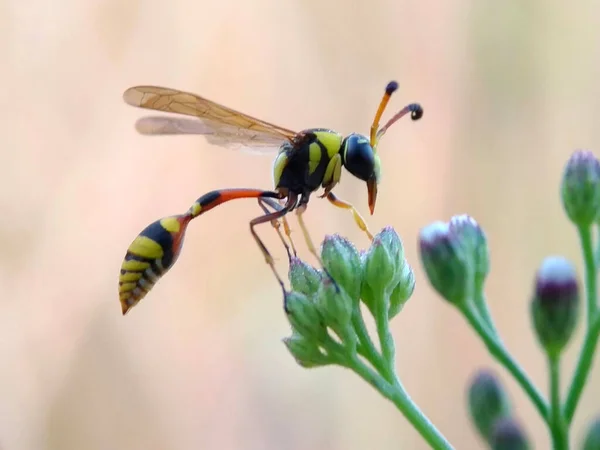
[
  {"x": 305, "y": 352},
  {"x": 555, "y": 304},
  {"x": 336, "y": 308},
  {"x": 580, "y": 188},
  {"x": 473, "y": 242},
  {"x": 444, "y": 263},
  {"x": 383, "y": 269},
  {"x": 487, "y": 402},
  {"x": 403, "y": 290},
  {"x": 507, "y": 434},
  {"x": 592, "y": 439},
  {"x": 305, "y": 318},
  {"x": 303, "y": 277},
  {"x": 342, "y": 261}
]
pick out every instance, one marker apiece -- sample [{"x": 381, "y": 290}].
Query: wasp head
[{"x": 360, "y": 160}]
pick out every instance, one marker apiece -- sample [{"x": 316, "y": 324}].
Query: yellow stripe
[
  {"x": 314, "y": 157},
  {"x": 146, "y": 247},
  {"x": 195, "y": 209},
  {"x": 333, "y": 170},
  {"x": 126, "y": 287},
  {"x": 134, "y": 265},
  {"x": 278, "y": 167},
  {"x": 130, "y": 276},
  {"x": 171, "y": 224},
  {"x": 331, "y": 140}
]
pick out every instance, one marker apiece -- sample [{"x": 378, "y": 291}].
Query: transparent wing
[
  {"x": 217, "y": 134},
  {"x": 218, "y": 124}
]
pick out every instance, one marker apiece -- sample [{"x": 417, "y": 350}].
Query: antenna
[
  {"x": 415, "y": 110},
  {"x": 389, "y": 90}
]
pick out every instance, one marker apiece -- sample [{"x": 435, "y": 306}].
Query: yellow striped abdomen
[{"x": 152, "y": 253}]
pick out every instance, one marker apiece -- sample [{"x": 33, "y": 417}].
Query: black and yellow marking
[
  {"x": 307, "y": 161},
  {"x": 154, "y": 251},
  {"x": 151, "y": 254}
]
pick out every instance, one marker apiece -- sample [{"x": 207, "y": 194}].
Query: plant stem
[
  {"x": 582, "y": 369},
  {"x": 590, "y": 342},
  {"x": 560, "y": 439},
  {"x": 396, "y": 393},
  {"x": 388, "y": 350},
  {"x": 585, "y": 238},
  {"x": 498, "y": 351},
  {"x": 367, "y": 348},
  {"x": 484, "y": 311}
]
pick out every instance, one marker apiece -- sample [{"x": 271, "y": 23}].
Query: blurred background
[{"x": 509, "y": 89}]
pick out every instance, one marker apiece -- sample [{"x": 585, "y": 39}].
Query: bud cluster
[{"x": 323, "y": 302}]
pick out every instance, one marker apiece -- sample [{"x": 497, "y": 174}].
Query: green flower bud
[
  {"x": 342, "y": 261},
  {"x": 580, "y": 188},
  {"x": 592, "y": 439},
  {"x": 383, "y": 269},
  {"x": 555, "y": 304},
  {"x": 508, "y": 435},
  {"x": 305, "y": 317},
  {"x": 305, "y": 352},
  {"x": 403, "y": 290},
  {"x": 379, "y": 265},
  {"x": 336, "y": 308},
  {"x": 472, "y": 240},
  {"x": 303, "y": 277},
  {"x": 444, "y": 262},
  {"x": 487, "y": 402}
]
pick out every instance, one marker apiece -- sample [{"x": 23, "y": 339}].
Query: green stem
[
  {"x": 560, "y": 439},
  {"x": 590, "y": 342},
  {"x": 388, "y": 350},
  {"x": 582, "y": 369},
  {"x": 397, "y": 395},
  {"x": 484, "y": 311},
  {"x": 367, "y": 348},
  {"x": 498, "y": 351},
  {"x": 585, "y": 238}
]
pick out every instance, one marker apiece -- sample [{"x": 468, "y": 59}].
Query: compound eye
[{"x": 359, "y": 157}]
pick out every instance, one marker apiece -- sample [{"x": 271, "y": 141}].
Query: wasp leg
[
  {"x": 357, "y": 217},
  {"x": 275, "y": 223},
  {"x": 309, "y": 243},
  {"x": 286, "y": 226},
  {"x": 156, "y": 249},
  {"x": 268, "y": 258}
]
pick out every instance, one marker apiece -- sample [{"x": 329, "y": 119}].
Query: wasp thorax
[{"x": 358, "y": 156}]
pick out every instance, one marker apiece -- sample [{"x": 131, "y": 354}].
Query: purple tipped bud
[
  {"x": 473, "y": 242},
  {"x": 580, "y": 188},
  {"x": 444, "y": 263},
  {"x": 508, "y": 435},
  {"x": 555, "y": 304},
  {"x": 592, "y": 439},
  {"x": 488, "y": 402}
]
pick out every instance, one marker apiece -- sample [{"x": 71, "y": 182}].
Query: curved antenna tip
[
  {"x": 416, "y": 111},
  {"x": 391, "y": 87}
]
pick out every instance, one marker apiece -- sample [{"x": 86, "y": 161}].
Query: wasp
[{"x": 305, "y": 161}]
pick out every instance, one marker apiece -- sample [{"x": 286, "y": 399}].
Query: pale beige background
[{"x": 509, "y": 90}]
